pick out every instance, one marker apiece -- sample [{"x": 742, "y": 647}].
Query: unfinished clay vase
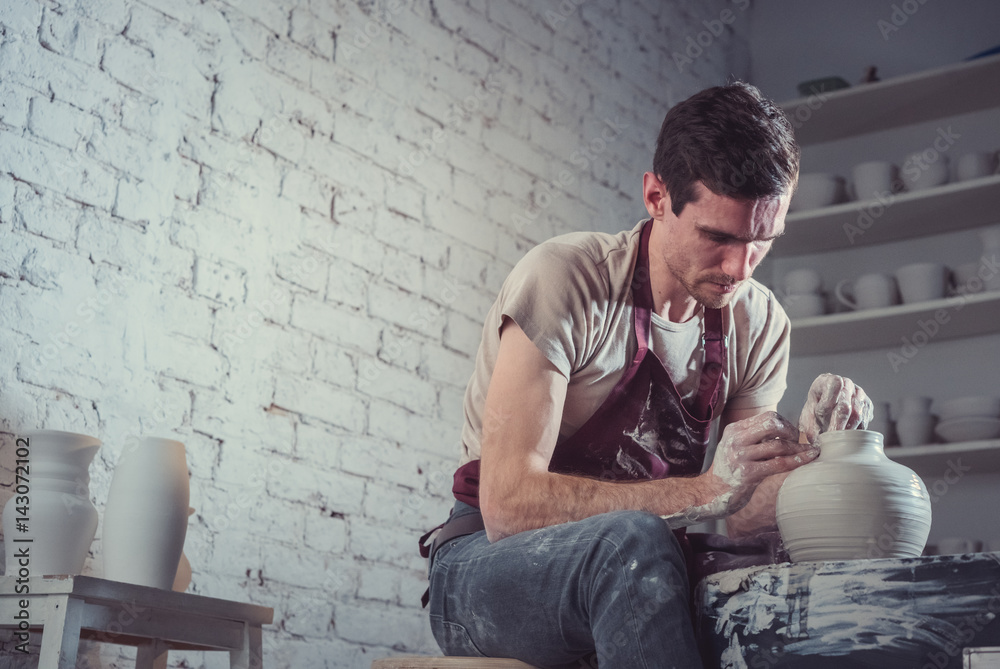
[
  {"x": 145, "y": 521},
  {"x": 853, "y": 502},
  {"x": 51, "y": 503}
]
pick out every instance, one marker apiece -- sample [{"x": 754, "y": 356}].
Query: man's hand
[
  {"x": 751, "y": 450},
  {"x": 834, "y": 403}
]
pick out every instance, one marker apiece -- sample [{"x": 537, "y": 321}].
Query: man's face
[{"x": 717, "y": 242}]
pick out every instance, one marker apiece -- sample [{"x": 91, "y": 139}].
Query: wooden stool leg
[
  {"x": 61, "y": 634},
  {"x": 152, "y": 654},
  {"x": 251, "y": 655}
]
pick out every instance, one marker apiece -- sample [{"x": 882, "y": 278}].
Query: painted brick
[
  {"x": 305, "y": 268},
  {"x": 324, "y": 533},
  {"x": 308, "y": 191},
  {"x": 461, "y": 224},
  {"x": 337, "y": 324},
  {"x": 347, "y": 285},
  {"x": 13, "y": 104},
  {"x": 298, "y": 482},
  {"x": 380, "y": 583},
  {"x": 377, "y": 379},
  {"x": 406, "y": 310},
  {"x": 321, "y": 400},
  {"x": 414, "y": 430},
  {"x": 63, "y": 171},
  {"x": 65, "y": 34},
  {"x": 318, "y": 443},
  {"x": 410, "y": 631},
  {"x": 454, "y": 16},
  {"x": 444, "y": 365},
  {"x": 311, "y": 32},
  {"x": 401, "y": 348},
  {"x": 220, "y": 282},
  {"x": 335, "y": 366}
]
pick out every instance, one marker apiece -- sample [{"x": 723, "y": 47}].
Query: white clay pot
[
  {"x": 62, "y": 520},
  {"x": 852, "y": 502},
  {"x": 145, "y": 520}
]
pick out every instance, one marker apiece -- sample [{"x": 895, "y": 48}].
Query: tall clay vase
[
  {"x": 145, "y": 520},
  {"x": 853, "y": 502},
  {"x": 51, "y": 490}
]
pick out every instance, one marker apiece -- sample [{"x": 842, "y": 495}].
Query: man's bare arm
[{"x": 521, "y": 424}]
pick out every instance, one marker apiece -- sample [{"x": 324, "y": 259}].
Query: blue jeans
[{"x": 613, "y": 585}]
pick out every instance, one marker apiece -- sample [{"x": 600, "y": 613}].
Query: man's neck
[{"x": 671, "y": 300}]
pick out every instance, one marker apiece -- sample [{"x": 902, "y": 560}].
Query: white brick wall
[{"x": 273, "y": 227}]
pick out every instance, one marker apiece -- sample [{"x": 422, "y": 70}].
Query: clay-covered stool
[
  {"x": 888, "y": 613},
  {"x": 425, "y": 662}
]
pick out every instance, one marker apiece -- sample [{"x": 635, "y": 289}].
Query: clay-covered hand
[
  {"x": 751, "y": 450},
  {"x": 834, "y": 403}
]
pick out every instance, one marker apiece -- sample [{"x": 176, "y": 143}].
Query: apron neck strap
[{"x": 714, "y": 340}]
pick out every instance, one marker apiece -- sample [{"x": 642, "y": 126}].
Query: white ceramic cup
[
  {"x": 915, "y": 429},
  {"x": 805, "y": 305},
  {"x": 967, "y": 280},
  {"x": 922, "y": 281},
  {"x": 975, "y": 165},
  {"x": 920, "y": 171},
  {"x": 874, "y": 180},
  {"x": 915, "y": 404},
  {"x": 871, "y": 291},
  {"x": 957, "y": 545},
  {"x": 802, "y": 281}
]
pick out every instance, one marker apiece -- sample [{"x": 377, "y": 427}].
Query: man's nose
[{"x": 738, "y": 262}]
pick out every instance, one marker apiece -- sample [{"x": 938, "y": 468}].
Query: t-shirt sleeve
[
  {"x": 767, "y": 363},
  {"x": 555, "y": 295}
]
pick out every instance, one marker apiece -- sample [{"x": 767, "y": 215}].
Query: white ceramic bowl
[
  {"x": 974, "y": 406},
  {"x": 968, "y": 429},
  {"x": 817, "y": 189}
]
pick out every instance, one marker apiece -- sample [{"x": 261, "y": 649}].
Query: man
[{"x": 604, "y": 362}]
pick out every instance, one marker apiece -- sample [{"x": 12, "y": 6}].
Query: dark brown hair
[{"x": 731, "y": 138}]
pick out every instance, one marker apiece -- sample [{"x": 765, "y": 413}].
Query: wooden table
[{"x": 73, "y": 607}]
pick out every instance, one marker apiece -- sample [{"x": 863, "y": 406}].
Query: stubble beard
[{"x": 697, "y": 289}]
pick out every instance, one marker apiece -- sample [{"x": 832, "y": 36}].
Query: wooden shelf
[
  {"x": 933, "y": 460},
  {"x": 947, "y": 208},
  {"x": 914, "y": 98},
  {"x": 968, "y": 316}
]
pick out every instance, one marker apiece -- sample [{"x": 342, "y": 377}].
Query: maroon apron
[{"x": 643, "y": 431}]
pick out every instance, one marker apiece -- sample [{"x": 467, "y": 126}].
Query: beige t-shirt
[{"x": 571, "y": 296}]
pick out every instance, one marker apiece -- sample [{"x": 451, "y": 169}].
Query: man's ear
[{"x": 655, "y": 195}]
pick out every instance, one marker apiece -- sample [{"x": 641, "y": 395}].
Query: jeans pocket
[{"x": 453, "y": 638}]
